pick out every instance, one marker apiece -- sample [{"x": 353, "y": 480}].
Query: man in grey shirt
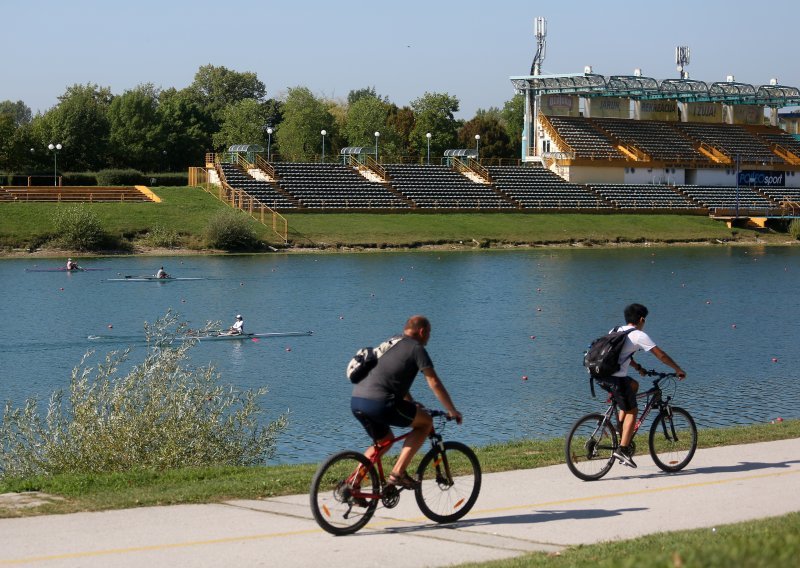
[{"x": 383, "y": 399}]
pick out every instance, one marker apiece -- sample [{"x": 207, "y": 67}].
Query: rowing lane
[{"x": 543, "y": 509}]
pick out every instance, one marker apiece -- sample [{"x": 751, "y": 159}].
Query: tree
[
  {"x": 7, "y": 130},
  {"x": 19, "y": 111},
  {"x": 357, "y": 94},
  {"x": 80, "y": 123},
  {"x": 186, "y": 128},
  {"x": 493, "y": 137},
  {"x": 401, "y": 120},
  {"x": 513, "y": 115},
  {"x": 136, "y": 132},
  {"x": 218, "y": 87},
  {"x": 304, "y": 117},
  {"x": 435, "y": 114},
  {"x": 243, "y": 122}
]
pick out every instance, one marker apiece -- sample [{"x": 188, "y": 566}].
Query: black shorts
[
  {"x": 377, "y": 416},
  {"x": 623, "y": 393}
]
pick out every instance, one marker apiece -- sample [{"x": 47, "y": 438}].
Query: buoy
[
  {"x": 538, "y": 289},
  {"x": 183, "y": 300},
  {"x": 779, "y": 419},
  {"x": 110, "y": 326},
  {"x": 538, "y": 309},
  {"x": 733, "y": 325},
  {"x": 402, "y": 279},
  {"x": 533, "y": 337},
  {"x": 524, "y": 377},
  {"x": 241, "y": 283},
  {"x": 341, "y": 317},
  {"x": 62, "y": 289},
  {"x": 774, "y": 359},
  {"x": 288, "y": 349},
  {"x": 708, "y": 301}
]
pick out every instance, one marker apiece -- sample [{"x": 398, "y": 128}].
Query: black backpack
[
  {"x": 602, "y": 357},
  {"x": 366, "y": 358}
]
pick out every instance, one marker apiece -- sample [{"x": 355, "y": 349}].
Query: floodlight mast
[
  {"x": 528, "y": 137},
  {"x": 682, "y": 60}
]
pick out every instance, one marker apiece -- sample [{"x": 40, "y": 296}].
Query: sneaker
[
  {"x": 624, "y": 456},
  {"x": 403, "y": 481}
]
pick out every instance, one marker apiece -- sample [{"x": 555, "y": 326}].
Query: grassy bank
[
  {"x": 187, "y": 211},
  {"x": 202, "y": 485}
]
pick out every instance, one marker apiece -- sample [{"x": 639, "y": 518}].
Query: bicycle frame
[{"x": 655, "y": 399}]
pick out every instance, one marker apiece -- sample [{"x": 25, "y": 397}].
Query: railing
[
  {"x": 714, "y": 154},
  {"x": 789, "y": 156},
  {"x": 477, "y": 168},
  {"x": 266, "y": 167},
  {"x": 373, "y": 164},
  {"x": 552, "y": 132}
]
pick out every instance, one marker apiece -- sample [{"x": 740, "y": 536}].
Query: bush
[
  {"x": 794, "y": 229},
  {"x": 162, "y": 237},
  {"x": 121, "y": 177},
  {"x": 77, "y": 228},
  {"x": 170, "y": 179},
  {"x": 231, "y": 230},
  {"x": 79, "y": 178},
  {"x": 163, "y": 414}
]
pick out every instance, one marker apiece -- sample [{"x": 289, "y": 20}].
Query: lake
[{"x": 509, "y": 329}]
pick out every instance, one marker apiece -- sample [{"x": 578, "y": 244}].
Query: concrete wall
[{"x": 673, "y": 176}]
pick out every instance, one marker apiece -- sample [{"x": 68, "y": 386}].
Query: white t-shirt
[
  {"x": 238, "y": 326},
  {"x": 636, "y": 341}
]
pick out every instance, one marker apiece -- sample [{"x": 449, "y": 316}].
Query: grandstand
[{"x": 76, "y": 194}]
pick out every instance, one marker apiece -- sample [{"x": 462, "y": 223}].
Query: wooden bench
[{"x": 81, "y": 194}]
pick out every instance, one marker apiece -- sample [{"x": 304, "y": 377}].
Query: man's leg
[{"x": 420, "y": 428}]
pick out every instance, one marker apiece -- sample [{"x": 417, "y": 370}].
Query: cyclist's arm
[
  {"x": 662, "y": 356},
  {"x": 441, "y": 393}
]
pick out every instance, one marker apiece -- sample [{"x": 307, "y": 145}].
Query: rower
[
  {"x": 72, "y": 265},
  {"x": 238, "y": 326},
  {"x": 162, "y": 273}
]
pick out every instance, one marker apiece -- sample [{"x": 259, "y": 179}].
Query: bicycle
[
  {"x": 672, "y": 441},
  {"x": 348, "y": 486}
]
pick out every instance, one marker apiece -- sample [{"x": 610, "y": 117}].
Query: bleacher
[
  {"x": 440, "y": 187},
  {"x": 781, "y": 194},
  {"x": 538, "y": 188},
  {"x": 645, "y": 196},
  {"x": 781, "y": 138},
  {"x": 732, "y": 140},
  {"x": 334, "y": 186},
  {"x": 73, "y": 193},
  {"x": 719, "y": 199},
  {"x": 656, "y": 139},
  {"x": 584, "y": 139},
  {"x": 264, "y": 191}
]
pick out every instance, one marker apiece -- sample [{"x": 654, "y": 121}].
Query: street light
[
  {"x": 428, "y": 136},
  {"x": 478, "y": 145},
  {"x": 377, "y": 135},
  {"x": 323, "y": 132},
  {"x": 269, "y": 142},
  {"x": 54, "y": 148}
]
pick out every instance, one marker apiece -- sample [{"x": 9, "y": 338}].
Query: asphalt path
[{"x": 544, "y": 509}]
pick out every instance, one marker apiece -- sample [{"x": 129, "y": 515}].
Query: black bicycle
[{"x": 672, "y": 442}]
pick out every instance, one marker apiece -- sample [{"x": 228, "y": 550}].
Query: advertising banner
[
  {"x": 703, "y": 112},
  {"x": 666, "y": 110},
  {"x": 762, "y": 179},
  {"x": 608, "y": 107},
  {"x": 744, "y": 114},
  {"x": 560, "y": 105}
]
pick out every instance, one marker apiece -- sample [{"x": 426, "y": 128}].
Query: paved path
[{"x": 543, "y": 509}]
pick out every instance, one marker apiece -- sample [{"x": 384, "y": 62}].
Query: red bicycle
[{"x": 348, "y": 487}]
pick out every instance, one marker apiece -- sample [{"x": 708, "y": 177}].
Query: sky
[{"x": 467, "y": 48}]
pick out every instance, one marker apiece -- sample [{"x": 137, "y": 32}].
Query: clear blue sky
[{"x": 467, "y": 48}]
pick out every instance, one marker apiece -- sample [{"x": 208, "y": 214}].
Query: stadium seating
[
  {"x": 656, "y": 139},
  {"x": 535, "y": 187},
  {"x": 584, "y": 139},
  {"x": 732, "y": 140},
  {"x": 440, "y": 187},
  {"x": 77, "y": 194},
  {"x": 263, "y": 191},
  {"x": 645, "y": 196},
  {"x": 720, "y": 199}
]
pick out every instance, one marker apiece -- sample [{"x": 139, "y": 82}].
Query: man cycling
[
  {"x": 624, "y": 387},
  {"x": 382, "y": 399}
]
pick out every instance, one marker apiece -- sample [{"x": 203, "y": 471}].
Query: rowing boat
[
  {"x": 64, "y": 269},
  {"x": 152, "y": 279},
  {"x": 212, "y": 336}
]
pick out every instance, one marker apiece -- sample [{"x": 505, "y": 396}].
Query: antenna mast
[
  {"x": 540, "y": 26},
  {"x": 682, "y": 60}
]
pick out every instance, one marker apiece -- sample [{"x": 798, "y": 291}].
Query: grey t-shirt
[{"x": 394, "y": 374}]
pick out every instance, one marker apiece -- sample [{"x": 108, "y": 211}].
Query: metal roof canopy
[
  {"x": 461, "y": 152},
  {"x": 357, "y": 150},
  {"x": 246, "y": 148},
  {"x": 646, "y": 88}
]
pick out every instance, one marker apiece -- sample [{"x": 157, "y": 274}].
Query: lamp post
[
  {"x": 428, "y": 136},
  {"x": 269, "y": 143},
  {"x": 478, "y": 145},
  {"x": 323, "y": 132},
  {"x": 377, "y": 135},
  {"x": 164, "y": 164},
  {"x": 55, "y": 148}
]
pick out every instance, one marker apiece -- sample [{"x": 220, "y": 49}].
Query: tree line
[{"x": 151, "y": 129}]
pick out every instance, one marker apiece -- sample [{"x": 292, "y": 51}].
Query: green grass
[
  {"x": 187, "y": 210},
  {"x": 214, "y": 484}
]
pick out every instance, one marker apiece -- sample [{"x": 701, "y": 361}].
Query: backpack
[
  {"x": 602, "y": 357},
  {"x": 366, "y": 358}
]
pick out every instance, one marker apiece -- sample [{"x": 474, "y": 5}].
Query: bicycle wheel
[
  {"x": 673, "y": 439},
  {"x": 344, "y": 493},
  {"x": 589, "y": 447},
  {"x": 450, "y": 481}
]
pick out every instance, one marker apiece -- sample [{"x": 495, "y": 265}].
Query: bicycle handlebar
[{"x": 660, "y": 375}]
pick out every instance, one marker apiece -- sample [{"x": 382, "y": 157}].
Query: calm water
[{"x": 729, "y": 316}]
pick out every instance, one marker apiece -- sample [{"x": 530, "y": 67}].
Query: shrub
[
  {"x": 77, "y": 228},
  {"x": 121, "y": 177},
  {"x": 79, "y": 178},
  {"x": 169, "y": 179},
  {"x": 794, "y": 228},
  {"x": 162, "y": 237},
  {"x": 163, "y": 414},
  {"x": 231, "y": 230}
]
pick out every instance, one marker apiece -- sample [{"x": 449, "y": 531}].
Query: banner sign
[
  {"x": 559, "y": 105},
  {"x": 608, "y": 107},
  {"x": 746, "y": 114},
  {"x": 762, "y": 179},
  {"x": 703, "y": 112},
  {"x": 666, "y": 110}
]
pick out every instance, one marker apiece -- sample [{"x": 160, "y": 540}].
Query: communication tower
[
  {"x": 682, "y": 60},
  {"x": 530, "y": 134},
  {"x": 540, "y": 31}
]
